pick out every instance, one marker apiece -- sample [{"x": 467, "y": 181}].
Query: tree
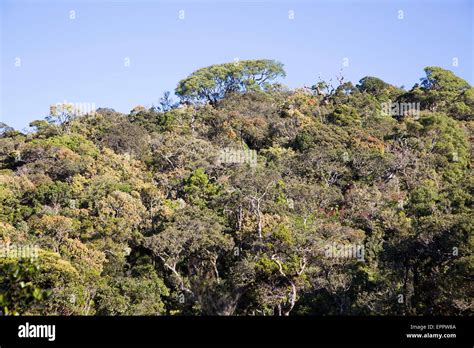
[
  {"x": 19, "y": 289},
  {"x": 380, "y": 89},
  {"x": 216, "y": 81},
  {"x": 441, "y": 90},
  {"x": 139, "y": 293},
  {"x": 5, "y": 129},
  {"x": 61, "y": 115},
  {"x": 191, "y": 248}
]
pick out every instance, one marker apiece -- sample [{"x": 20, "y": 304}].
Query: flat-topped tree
[{"x": 212, "y": 83}]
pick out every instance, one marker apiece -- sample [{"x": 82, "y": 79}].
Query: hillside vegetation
[{"x": 227, "y": 201}]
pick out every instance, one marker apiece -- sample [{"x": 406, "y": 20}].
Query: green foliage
[
  {"x": 442, "y": 91},
  {"x": 54, "y": 193},
  {"x": 197, "y": 188},
  {"x": 345, "y": 116},
  {"x": 142, "y": 213},
  {"x": 214, "y": 82},
  {"x": 19, "y": 291},
  {"x": 378, "y": 88},
  {"x": 74, "y": 142},
  {"x": 141, "y": 294}
]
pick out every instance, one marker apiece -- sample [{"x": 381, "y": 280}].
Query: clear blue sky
[{"x": 82, "y": 59}]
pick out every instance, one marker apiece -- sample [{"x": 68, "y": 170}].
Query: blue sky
[{"x": 82, "y": 60}]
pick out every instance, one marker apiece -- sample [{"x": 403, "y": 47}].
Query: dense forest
[{"x": 240, "y": 196}]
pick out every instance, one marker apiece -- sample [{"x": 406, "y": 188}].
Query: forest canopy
[{"x": 245, "y": 197}]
